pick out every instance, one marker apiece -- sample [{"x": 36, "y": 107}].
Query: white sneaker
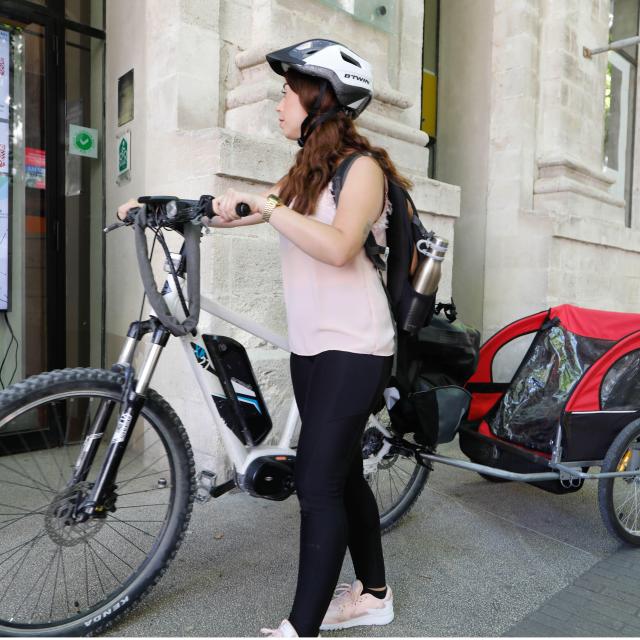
[
  {"x": 351, "y": 608},
  {"x": 285, "y": 630}
]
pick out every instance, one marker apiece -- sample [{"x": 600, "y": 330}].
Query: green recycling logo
[{"x": 122, "y": 155}]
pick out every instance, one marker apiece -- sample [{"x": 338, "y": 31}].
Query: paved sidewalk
[
  {"x": 472, "y": 559},
  {"x": 603, "y": 601}
]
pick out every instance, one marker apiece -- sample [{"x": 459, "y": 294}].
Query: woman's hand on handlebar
[
  {"x": 123, "y": 209},
  {"x": 225, "y": 206}
]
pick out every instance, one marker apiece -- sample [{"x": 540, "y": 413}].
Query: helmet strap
[
  {"x": 318, "y": 120},
  {"x": 313, "y": 120}
]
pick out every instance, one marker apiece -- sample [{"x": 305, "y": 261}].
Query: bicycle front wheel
[
  {"x": 60, "y": 576},
  {"x": 395, "y": 479}
]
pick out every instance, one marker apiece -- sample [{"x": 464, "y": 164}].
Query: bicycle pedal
[{"x": 206, "y": 483}]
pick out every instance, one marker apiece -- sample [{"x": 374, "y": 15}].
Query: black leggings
[{"x": 335, "y": 392}]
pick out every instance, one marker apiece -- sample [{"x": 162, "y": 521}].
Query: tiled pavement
[
  {"x": 472, "y": 559},
  {"x": 603, "y": 601}
]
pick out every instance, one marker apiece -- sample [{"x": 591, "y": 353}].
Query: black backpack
[{"x": 400, "y": 258}]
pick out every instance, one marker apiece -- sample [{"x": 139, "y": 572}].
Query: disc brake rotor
[{"x": 60, "y": 523}]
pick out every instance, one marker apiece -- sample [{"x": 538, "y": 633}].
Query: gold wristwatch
[{"x": 272, "y": 202}]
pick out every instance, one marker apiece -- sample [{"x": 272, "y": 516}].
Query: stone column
[
  {"x": 571, "y": 114},
  {"x": 516, "y": 238}
]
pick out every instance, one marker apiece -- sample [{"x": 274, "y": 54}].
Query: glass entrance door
[
  {"x": 26, "y": 326},
  {"x": 51, "y": 191}
]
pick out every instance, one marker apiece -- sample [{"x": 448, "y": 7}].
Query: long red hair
[{"x": 325, "y": 148}]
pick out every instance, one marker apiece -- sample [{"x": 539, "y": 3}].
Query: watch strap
[{"x": 273, "y": 201}]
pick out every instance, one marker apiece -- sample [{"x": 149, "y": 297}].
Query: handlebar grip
[
  {"x": 131, "y": 215},
  {"x": 242, "y": 209}
]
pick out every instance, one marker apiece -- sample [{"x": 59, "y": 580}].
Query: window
[
  {"x": 378, "y": 13},
  {"x": 619, "y": 102}
]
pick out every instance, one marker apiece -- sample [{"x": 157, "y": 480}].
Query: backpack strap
[
  {"x": 375, "y": 252},
  {"x": 337, "y": 182}
]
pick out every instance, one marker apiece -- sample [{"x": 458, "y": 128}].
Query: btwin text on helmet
[{"x": 349, "y": 75}]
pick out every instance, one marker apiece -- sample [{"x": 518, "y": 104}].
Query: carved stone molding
[{"x": 557, "y": 175}]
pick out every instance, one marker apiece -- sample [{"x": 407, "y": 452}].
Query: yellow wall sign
[{"x": 429, "y": 102}]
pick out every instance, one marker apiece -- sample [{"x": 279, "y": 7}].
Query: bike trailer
[{"x": 576, "y": 388}]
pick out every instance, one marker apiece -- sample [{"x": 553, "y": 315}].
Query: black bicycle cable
[
  {"x": 6, "y": 354},
  {"x": 174, "y": 274}
]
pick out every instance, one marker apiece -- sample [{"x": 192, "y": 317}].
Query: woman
[{"x": 340, "y": 329}]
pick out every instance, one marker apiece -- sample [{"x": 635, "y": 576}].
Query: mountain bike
[{"x": 97, "y": 476}]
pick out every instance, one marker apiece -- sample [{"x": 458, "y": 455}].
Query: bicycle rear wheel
[
  {"x": 59, "y": 576},
  {"x": 395, "y": 479}
]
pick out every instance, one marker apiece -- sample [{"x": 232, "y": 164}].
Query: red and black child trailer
[{"x": 570, "y": 413}]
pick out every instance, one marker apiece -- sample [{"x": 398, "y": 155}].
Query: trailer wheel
[{"x": 619, "y": 498}]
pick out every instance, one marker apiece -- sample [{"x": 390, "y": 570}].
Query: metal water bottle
[
  {"x": 427, "y": 276},
  {"x": 425, "y": 282}
]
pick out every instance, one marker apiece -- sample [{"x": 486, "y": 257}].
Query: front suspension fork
[{"x": 133, "y": 398}]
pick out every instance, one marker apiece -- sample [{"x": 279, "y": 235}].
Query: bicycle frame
[
  {"x": 211, "y": 385},
  {"x": 238, "y": 453}
]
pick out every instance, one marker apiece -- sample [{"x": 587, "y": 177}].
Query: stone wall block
[
  {"x": 236, "y": 22},
  {"x": 255, "y": 266},
  {"x": 202, "y": 13},
  {"x": 230, "y": 74},
  {"x": 162, "y": 99},
  {"x": 514, "y": 20},
  {"x": 439, "y": 198},
  {"x": 578, "y": 276},
  {"x": 505, "y": 7},
  {"x": 576, "y": 205},
  {"x": 513, "y": 83},
  {"x": 261, "y": 73},
  {"x": 273, "y": 375},
  {"x": 265, "y": 309},
  {"x": 197, "y": 104},
  {"x": 257, "y": 119},
  {"x": 407, "y": 156},
  {"x": 162, "y": 52},
  {"x": 216, "y": 263},
  {"x": 245, "y": 157},
  {"x": 198, "y": 52},
  {"x": 520, "y": 52}
]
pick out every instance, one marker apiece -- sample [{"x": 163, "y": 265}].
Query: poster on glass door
[
  {"x": 5, "y": 68},
  {"x": 5, "y": 99}
]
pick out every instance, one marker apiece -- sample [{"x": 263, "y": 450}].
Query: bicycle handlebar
[
  {"x": 169, "y": 212},
  {"x": 173, "y": 213}
]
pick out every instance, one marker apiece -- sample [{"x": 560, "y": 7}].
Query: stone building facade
[
  {"x": 521, "y": 130},
  {"x": 519, "y": 184}
]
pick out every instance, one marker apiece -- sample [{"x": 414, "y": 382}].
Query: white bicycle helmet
[{"x": 348, "y": 73}]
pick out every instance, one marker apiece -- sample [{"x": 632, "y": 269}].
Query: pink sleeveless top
[{"x": 336, "y": 308}]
